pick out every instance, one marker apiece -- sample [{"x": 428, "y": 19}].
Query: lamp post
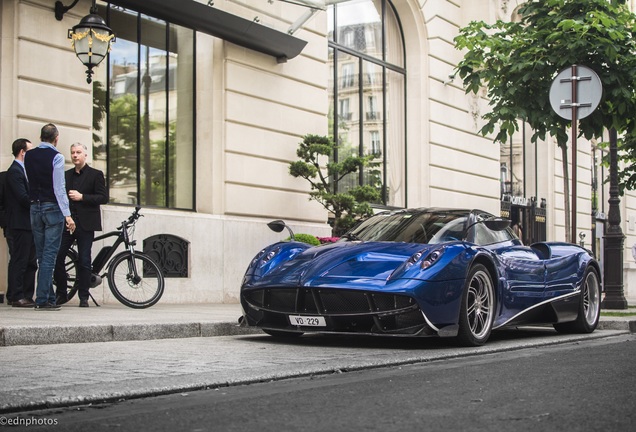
[
  {"x": 91, "y": 39},
  {"x": 614, "y": 238}
]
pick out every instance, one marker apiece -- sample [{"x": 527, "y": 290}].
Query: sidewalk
[{"x": 116, "y": 322}]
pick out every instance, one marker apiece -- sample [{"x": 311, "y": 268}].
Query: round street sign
[{"x": 584, "y": 96}]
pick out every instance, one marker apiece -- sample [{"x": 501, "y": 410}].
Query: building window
[
  {"x": 372, "y": 108},
  {"x": 343, "y": 109},
  {"x": 370, "y": 38},
  {"x": 369, "y": 72},
  {"x": 144, "y": 136},
  {"x": 347, "y": 38},
  {"x": 375, "y": 143},
  {"x": 347, "y": 75}
]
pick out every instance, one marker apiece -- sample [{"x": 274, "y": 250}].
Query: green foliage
[
  {"x": 123, "y": 139},
  {"x": 517, "y": 62},
  {"x": 123, "y": 152},
  {"x": 99, "y": 110},
  {"x": 627, "y": 168},
  {"x": 346, "y": 206},
  {"x": 306, "y": 238}
]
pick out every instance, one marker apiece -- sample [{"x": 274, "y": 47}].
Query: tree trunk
[
  {"x": 566, "y": 193},
  {"x": 335, "y": 229}
]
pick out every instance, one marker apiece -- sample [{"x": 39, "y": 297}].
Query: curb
[
  {"x": 60, "y": 334},
  {"x": 625, "y": 324},
  {"x": 47, "y": 335}
]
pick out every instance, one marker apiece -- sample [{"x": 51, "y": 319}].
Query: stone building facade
[{"x": 198, "y": 122}]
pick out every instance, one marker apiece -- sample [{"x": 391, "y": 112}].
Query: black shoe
[
  {"x": 47, "y": 307},
  {"x": 23, "y": 303},
  {"x": 83, "y": 303}
]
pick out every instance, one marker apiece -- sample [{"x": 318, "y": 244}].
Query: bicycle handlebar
[{"x": 132, "y": 218}]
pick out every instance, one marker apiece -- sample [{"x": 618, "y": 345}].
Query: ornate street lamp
[
  {"x": 91, "y": 38},
  {"x": 614, "y": 239}
]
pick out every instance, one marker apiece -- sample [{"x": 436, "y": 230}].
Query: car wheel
[
  {"x": 589, "y": 306},
  {"x": 477, "y": 309},
  {"x": 282, "y": 333}
]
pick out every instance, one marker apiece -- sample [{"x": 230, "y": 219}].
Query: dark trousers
[
  {"x": 83, "y": 271},
  {"x": 22, "y": 265}
]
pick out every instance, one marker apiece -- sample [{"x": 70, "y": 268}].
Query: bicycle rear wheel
[{"x": 135, "y": 279}]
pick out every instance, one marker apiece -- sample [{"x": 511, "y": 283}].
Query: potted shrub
[{"x": 346, "y": 206}]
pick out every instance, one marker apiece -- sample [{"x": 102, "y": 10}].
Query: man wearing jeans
[{"x": 49, "y": 210}]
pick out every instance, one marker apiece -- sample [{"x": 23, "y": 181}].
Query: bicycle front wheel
[{"x": 135, "y": 280}]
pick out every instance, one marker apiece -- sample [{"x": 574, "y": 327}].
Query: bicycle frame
[
  {"x": 99, "y": 266},
  {"x": 106, "y": 253}
]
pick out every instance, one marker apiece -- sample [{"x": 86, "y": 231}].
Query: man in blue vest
[{"x": 49, "y": 210}]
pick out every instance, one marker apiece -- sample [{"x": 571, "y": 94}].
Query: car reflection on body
[{"x": 422, "y": 272}]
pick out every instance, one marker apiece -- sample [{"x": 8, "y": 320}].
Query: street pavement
[{"x": 79, "y": 356}]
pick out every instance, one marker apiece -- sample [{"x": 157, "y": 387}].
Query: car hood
[{"x": 342, "y": 262}]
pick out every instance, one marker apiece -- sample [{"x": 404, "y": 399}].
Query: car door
[
  {"x": 562, "y": 275},
  {"x": 523, "y": 277},
  {"x": 522, "y": 272}
]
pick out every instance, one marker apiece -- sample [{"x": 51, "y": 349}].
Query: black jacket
[
  {"x": 17, "y": 201},
  {"x": 91, "y": 184}
]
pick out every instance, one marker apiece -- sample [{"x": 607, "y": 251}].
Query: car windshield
[{"x": 424, "y": 227}]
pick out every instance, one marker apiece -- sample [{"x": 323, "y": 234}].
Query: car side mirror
[{"x": 278, "y": 226}]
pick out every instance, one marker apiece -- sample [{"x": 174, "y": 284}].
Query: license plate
[{"x": 307, "y": 321}]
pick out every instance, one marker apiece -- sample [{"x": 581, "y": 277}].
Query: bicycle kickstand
[{"x": 93, "y": 298}]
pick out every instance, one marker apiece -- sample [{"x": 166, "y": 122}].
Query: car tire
[
  {"x": 589, "y": 306},
  {"x": 282, "y": 333},
  {"x": 477, "y": 309}
]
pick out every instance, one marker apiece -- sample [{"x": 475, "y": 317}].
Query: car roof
[{"x": 446, "y": 210}]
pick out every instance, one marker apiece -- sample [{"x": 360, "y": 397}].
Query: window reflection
[
  {"x": 146, "y": 140},
  {"x": 368, "y": 99}
]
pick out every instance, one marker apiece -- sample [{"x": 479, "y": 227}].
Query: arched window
[{"x": 367, "y": 95}]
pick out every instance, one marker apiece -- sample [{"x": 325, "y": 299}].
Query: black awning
[{"x": 215, "y": 22}]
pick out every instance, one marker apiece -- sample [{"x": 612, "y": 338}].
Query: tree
[
  {"x": 346, "y": 206},
  {"x": 517, "y": 62}
]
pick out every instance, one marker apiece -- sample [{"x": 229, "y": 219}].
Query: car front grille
[
  {"x": 327, "y": 301},
  {"x": 349, "y": 311}
]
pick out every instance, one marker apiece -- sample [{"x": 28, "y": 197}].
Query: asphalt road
[{"x": 585, "y": 385}]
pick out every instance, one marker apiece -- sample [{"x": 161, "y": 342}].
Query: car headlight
[
  {"x": 264, "y": 256},
  {"x": 425, "y": 258},
  {"x": 432, "y": 258},
  {"x": 413, "y": 259}
]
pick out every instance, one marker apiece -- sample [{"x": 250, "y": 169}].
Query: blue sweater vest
[{"x": 39, "y": 168}]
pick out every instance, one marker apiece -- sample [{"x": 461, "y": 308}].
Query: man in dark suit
[
  {"x": 22, "y": 260},
  {"x": 86, "y": 190}
]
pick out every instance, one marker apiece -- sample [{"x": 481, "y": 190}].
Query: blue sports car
[{"x": 422, "y": 272}]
